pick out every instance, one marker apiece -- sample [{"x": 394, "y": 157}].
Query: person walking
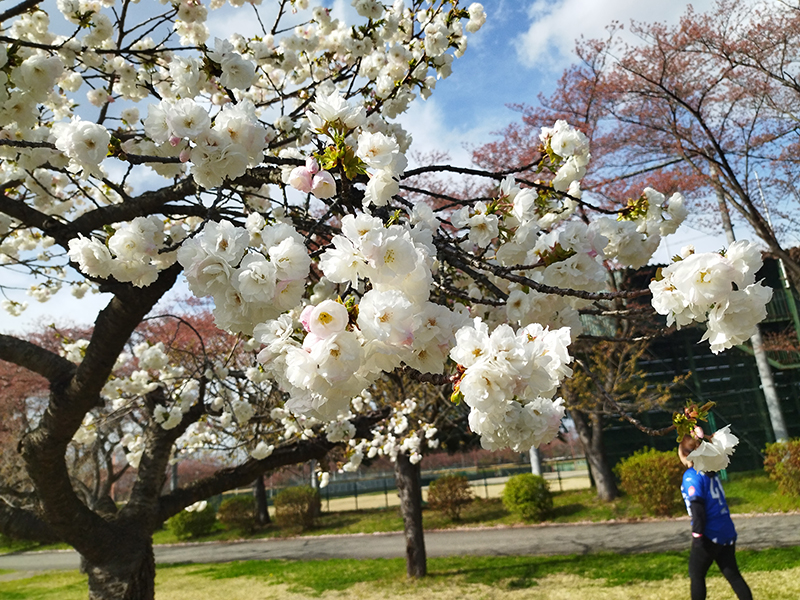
[{"x": 713, "y": 533}]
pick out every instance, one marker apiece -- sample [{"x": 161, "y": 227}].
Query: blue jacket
[{"x": 705, "y": 501}]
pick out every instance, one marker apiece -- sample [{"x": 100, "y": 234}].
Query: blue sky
[{"x": 520, "y": 52}]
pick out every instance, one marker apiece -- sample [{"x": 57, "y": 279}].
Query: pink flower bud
[
  {"x": 305, "y": 316},
  {"x": 300, "y": 179},
  {"x": 185, "y": 154},
  {"x": 312, "y": 165},
  {"x": 324, "y": 185},
  {"x": 174, "y": 141}
]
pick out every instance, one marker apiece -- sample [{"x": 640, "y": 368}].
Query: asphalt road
[{"x": 762, "y": 531}]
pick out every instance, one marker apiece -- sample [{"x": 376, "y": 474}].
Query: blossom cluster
[
  {"x": 572, "y": 147},
  {"x": 714, "y": 452},
  {"x": 403, "y": 432},
  {"x": 636, "y": 234},
  {"x": 531, "y": 227},
  {"x": 309, "y": 179},
  {"x": 715, "y": 288},
  {"x": 253, "y": 273},
  {"x": 133, "y": 253},
  {"x": 334, "y": 356},
  {"x": 335, "y": 117},
  {"x": 508, "y": 381},
  {"x": 225, "y": 149},
  {"x": 84, "y": 143},
  {"x": 382, "y": 153}
]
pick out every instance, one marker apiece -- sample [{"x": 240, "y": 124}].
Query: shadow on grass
[
  {"x": 567, "y": 510},
  {"x": 523, "y": 572},
  {"x": 341, "y": 519}
]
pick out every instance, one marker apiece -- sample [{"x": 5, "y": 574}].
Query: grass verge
[{"x": 461, "y": 577}]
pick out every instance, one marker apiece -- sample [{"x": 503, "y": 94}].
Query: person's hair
[{"x": 685, "y": 448}]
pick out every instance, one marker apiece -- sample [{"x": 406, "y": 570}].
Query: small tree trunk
[
  {"x": 590, "y": 432},
  {"x": 410, "y": 492},
  {"x": 128, "y": 576},
  {"x": 260, "y": 493},
  {"x": 536, "y": 461}
]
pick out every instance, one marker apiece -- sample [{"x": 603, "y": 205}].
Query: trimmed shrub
[
  {"x": 237, "y": 513},
  {"x": 297, "y": 507},
  {"x": 449, "y": 494},
  {"x": 653, "y": 480},
  {"x": 192, "y": 524},
  {"x": 528, "y": 496},
  {"x": 782, "y": 463}
]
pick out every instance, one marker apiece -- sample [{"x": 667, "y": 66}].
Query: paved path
[{"x": 652, "y": 536}]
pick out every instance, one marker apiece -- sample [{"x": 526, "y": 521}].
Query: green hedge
[
  {"x": 653, "y": 480},
  {"x": 528, "y": 496}
]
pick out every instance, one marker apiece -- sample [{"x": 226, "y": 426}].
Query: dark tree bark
[
  {"x": 410, "y": 491},
  {"x": 262, "y": 509},
  {"x": 23, "y": 524},
  {"x": 590, "y": 432},
  {"x": 129, "y": 574}
]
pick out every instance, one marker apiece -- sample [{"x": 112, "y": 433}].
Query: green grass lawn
[
  {"x": 663, "y": 573},
  {"x": 754, "y": 492},
  {"x": 751, "y": 492}
]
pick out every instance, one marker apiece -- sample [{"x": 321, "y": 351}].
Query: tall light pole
[{"x": 764, "y": 370}]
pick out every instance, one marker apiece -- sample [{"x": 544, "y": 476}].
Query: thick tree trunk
[
  {"x": 260, "y": 494},
  {"x": 410, "y": 491},
  {"x": 590, "y": 432},
  {"x": 129, "y": 575}
]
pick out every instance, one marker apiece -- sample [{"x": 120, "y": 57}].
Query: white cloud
[
  {"x": 550, "y": 40},
  {"x": 344, "y": 11},
  {"x": 227, "y": 20},
  {"x": 63, "y": 308},
  {"x": 426, "y": 122},
  {"x": 703, "y": 241}
]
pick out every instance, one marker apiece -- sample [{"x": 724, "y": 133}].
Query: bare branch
[
  {"x": 23, "y": 524},
  {"x": 20, "y": 8},
  {"x": 244, "y": 474},
  {"x": 56, "y": 369},
  {"x": 609, "y": 400}
]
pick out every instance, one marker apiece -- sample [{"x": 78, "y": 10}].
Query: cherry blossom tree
[
  {"x": 704, "y": 107},
  {"x": 270, "y": 174}
]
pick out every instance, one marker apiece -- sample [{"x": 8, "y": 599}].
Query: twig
[{"x": 619, "y": 410}]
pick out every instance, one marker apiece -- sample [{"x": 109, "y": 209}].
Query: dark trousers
[{"x": 704, "y": 552}]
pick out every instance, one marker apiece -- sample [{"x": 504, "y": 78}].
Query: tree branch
[
  {"x": 56, "y": 369},
  {"x": 244, "y": 474},
  {"x": 18, "y": 9},
  {"x": 44, "y": 449},
  {"x": 143, "y": 503},
  {"x": 21, "y": 524},
  {"x": 619, "y": 410}
]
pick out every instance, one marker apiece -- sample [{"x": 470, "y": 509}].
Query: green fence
[{"x": 729, "y": 379}]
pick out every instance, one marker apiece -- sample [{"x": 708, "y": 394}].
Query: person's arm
[{"x": 698, "y": 517}]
